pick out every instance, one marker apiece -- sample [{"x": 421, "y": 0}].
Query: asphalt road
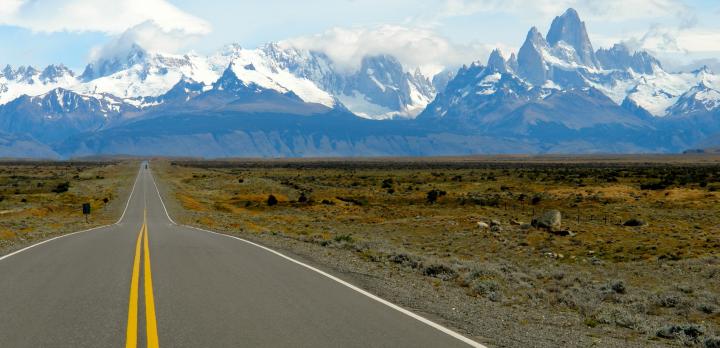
[{"x": 147, "y": 281}]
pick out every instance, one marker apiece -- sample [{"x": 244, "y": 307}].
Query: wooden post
[{"x": 578, "y": 214}]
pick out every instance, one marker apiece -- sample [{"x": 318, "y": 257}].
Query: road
[{"x": 147, "y": 282}]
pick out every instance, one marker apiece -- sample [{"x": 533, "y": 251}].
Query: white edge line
[
  {"x": 73, "y": 233},
  {"x": 161, "y": 200},
  {"x": 402, "y": 310},
  {"x": 49, "y": 240},
  {"x": 130, "y": 196}
]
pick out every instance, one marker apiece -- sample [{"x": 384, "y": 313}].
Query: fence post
[{"x": 578, "y": 214}]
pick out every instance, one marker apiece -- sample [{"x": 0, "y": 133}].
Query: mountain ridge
[{"x": 557, "y": 94}]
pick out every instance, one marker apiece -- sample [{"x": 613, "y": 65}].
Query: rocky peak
[
  {"x": 570, "y": 29},
  {"x": 497, "y": 62},
  {"x": 54, "y": 72},
  {"x": 530, "y": 60},
  {"x": 619, "y": 57}
]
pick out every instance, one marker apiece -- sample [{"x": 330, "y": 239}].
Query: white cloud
[
  {"x": 605, "y": 10},
  {"x": 413, "y": 47},
  {"x": 108, "y": 16},
  {"x": 147, "y": 35}
]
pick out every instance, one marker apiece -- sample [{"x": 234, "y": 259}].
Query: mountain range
[{"x": 558, "y": 94}]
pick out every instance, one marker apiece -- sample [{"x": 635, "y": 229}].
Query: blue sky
[{"x": 440, "y": 32}]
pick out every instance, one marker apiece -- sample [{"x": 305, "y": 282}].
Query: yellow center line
[
  {"x": 132, "y": 323},
  {"x": 150, "y": 318}
]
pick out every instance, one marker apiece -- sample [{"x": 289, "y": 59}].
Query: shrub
[
  {"x": 440, "y": 271},
  {"x": 302, "y": 198},
  {"x": 654, "y": 185},
  {"x": 485, "y": 288},
  {"x": 483, "y": 200},
  {"x": 536, "y": 200},
  {"x": 361, "y": 201},
  {"x": 712, "y": 342},
  {"x": 668, "y": 300},
  {"x": 676, "y": 331},
  {"x": 433, "y": 195},
  {"x": 618, "y": 286},
  {"x": 387, "y": 183},
  {"x": 272, "y": 201},
  {"x": 62, "y": 187},
  {"x": 343, "y": 238},
  {"x": 403, "y": 259}
]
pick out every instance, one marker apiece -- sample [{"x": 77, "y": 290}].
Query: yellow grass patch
[
  {"x": 6, "y": 235},
  {"x": 190, "y": 202}
]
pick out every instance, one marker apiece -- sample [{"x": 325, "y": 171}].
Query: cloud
[
  {"x": 414, "y": 47},
  {"x": 148, "y": 35},
  {"x": 605, "y": 10},
  {"x": 107, "y": 16}
]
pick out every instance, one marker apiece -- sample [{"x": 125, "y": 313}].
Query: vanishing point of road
[{"x": 148, "y": 282}]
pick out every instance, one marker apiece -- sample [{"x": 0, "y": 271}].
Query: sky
[{"x": 430, "y": 34}]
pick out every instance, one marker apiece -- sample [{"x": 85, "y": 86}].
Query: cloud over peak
[{"x": 414, "y": 47}]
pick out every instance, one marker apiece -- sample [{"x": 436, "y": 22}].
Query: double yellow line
[{"x": 150, "y": 318}]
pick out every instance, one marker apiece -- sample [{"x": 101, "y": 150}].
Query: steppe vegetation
[
  {"x": 39, "y": 200},
  {"x": 635, "y": 257}
]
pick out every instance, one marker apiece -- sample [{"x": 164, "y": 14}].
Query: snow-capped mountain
[
  {"x": 557, "y": 94},
  {"x": 380, "y": 89},
  {"x": 566, "y": 62},
  {"x": 27, "y": 80},
  {"x": 55, "y": 115},
  {"x": 619, "y": 57}
]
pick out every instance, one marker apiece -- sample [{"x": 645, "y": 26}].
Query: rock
[
  {"x": 483, "y": 226},
  {"x": 552, "y": 220},
  {"x": 635, "y": 223},
  {"x": 515, "y": 223},
  {"x": 496, "y": 228},
  {"x": 494, "y": 223}
]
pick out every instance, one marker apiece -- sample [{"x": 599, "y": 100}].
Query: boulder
[
  {"x": 483, "y": 226},
  {"x": 552, "y": 219}
]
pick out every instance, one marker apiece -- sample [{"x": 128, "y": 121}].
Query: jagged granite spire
[
  {"x": 571, "y": 30},
  {"x": 497, "y": 62},
  {"x": 531, "y": 64}
]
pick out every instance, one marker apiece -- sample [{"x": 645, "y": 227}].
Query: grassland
[
  {"x": 39, "y": 200},
  {"x": 409, "y": 230}
]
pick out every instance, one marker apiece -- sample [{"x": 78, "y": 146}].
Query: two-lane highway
[{"x": 147, "y": 281}]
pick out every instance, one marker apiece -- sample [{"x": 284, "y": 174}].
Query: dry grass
[
  {"x": 34, "y": 203},
  {"x": 631, "y": 281}
]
